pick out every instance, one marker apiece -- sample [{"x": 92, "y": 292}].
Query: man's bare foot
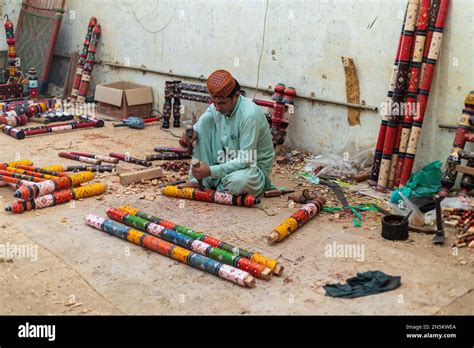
[{"x": 188, "y": 184}]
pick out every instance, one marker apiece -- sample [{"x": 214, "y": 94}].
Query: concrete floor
[{"x": 80, "y": 270}]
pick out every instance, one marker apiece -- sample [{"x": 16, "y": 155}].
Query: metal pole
[{"x": 268, "y": 90}]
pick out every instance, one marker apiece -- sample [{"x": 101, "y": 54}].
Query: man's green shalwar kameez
[{"x": 238, "y": 149}]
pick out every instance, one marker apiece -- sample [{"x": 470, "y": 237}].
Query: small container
[{"x": 394, "y": 227}]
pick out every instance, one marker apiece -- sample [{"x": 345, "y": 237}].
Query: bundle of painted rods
[
  {"x": 86, "y": 62},
  {"x": 408, "y": 92},
  {"x": 463, "y": 221},
  {"x": 18, "y": 114},
  {"x": 37, "y": 188},
  {"x": 186, "y": 245}
]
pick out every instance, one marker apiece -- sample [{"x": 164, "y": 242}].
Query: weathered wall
[{"x": 303, "y": 44}]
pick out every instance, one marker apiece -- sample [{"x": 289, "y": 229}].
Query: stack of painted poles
[
  {"x": 29, "y": 107},
  {"x": 463, "y": 134},
  {"x": 463, "y": 221},
  {"x": 17, "y": 114},
  {"x": 210, "y": 196},
  {"x": 86, "y": 62},
  {"x": 186, "y": 245},
  {"x": 13, "y": 164},
  {"x": 22, "y": 133},
  {"x": 37, "y": 188},
  {"x": 409, "y": 88}
]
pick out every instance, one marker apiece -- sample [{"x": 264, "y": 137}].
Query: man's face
[{"x": 225, "y": 105}]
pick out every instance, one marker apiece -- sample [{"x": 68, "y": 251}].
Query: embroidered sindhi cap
[{"x": 220, "y": 83}]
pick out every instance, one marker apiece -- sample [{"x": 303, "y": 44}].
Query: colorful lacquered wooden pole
[
  {"x": 100, "y": 169},
  {"x": 171, "y": 149},
  {"x": 26, "y": 172},
  {"x": 41, "y": 170},
  {"x": 176, "y": 104},
  {"x": 167, "y": 156},
  {"x": 82, "y": 60},
  {"x": 403, "y": 66},
  {"x": 211, "y": 196},
  {"x": 276, "y": 268},
  {"x": 89, "y": 66},
  {"x": 102, "y": 158},
  {"x": 55, "y": 198},
  {"x": 19, "y": 163},
  {"x": 62, "y": 169},
  {"x": 409, "y": 106},
  {"x": 67, "y": 126},
  {"x": 169, "y": 90},
  {"x": 195, "y": 98},
  {"x": 193, "y": 88},
  {"x": 87, "y": 118},
  {"x": 424, "y": 34},
  {"x": 171, "y": 250},
  {"x": 127, "y": 158},
  {"x": 74, "y": 157},
  {"x": 424, "y": 90},
  {"x": 374, "y": 172},
  {"x": 295, "y": 221},
  {"x": 15, "y": 181},
  {"x": 21, "y": 176},
  {"x": 182, "y": 240},
  {"x": 454, "y": 159},
  {"x": 13, "y": 62},
  {"x": 33, "y": 91},
  {"x": 56, "y": 184}
]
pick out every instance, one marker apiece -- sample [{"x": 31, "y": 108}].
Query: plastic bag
[
  {"x": 426, "y": 182},
  {"x": 332, "y": 166},
  {"x": 417, "y": 218},
  {"x": 345, "y": 163},
  {"x": 456, "y": 202},
  {"x": 430, "y": 217},
  {"x": 359, "y": 156}
]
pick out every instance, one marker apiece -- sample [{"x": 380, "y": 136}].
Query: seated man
[{"x": 232, "y": 141}]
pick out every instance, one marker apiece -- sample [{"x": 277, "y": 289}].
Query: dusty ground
[{"x": 80, "y": 270}]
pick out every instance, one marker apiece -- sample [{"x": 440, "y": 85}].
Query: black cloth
[{"x": 366, "y": 283}]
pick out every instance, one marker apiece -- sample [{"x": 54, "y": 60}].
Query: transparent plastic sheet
[
  {"x": 345, "y": 163},
  {"x": 359, "y": 156},
  {"x": 457, "y": 203},
  {"x": 405, "y": 206}
]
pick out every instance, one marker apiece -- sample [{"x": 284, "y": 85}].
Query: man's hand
[
  {"x": 185, "y": 141},
  {"x": 201, "y": 171}
]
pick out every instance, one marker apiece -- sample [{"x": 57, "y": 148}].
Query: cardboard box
[{"x": 122, "y": 99}]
